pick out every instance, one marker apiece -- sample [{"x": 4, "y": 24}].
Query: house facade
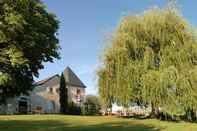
[{"x": 46, "y": 94}]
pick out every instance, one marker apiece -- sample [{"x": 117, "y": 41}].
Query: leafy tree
[
  {"x": 104, "y": 90},
  {"x": 63, "y": 95},
  {"x": 92, "y": 105},
  {"x": 152, "y": 60},
  {"x": 27, "y": 39}
]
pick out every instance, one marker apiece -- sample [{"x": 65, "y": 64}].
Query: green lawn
[{"x": 83, "y": 123}]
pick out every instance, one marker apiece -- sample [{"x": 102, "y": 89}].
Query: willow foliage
[{"x": 152, "y": 59}]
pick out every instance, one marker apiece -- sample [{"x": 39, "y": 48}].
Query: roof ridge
[
  {"x": 71, "y": 78},
  {"x": 45, "y": 80}
]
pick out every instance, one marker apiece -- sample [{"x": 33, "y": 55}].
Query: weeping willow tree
[{"x": 152, "y": 60}]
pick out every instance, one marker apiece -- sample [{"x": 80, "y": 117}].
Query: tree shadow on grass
[
  {"x": 119, "y": 126},
  {"x": 52, "y": 125},
  {"x": 34, "y": 125}
]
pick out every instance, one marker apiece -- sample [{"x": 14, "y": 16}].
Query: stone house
[{"x": 45, "y": 96}]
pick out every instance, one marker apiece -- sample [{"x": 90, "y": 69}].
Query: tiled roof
[
  {"x": 72, "y": 79},
  {"x": 45, "y": 80}
]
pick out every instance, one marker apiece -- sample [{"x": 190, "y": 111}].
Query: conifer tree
[{"x": 63, "y": 96}]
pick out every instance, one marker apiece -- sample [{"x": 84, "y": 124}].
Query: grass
[{"x": 84, "y": 123}]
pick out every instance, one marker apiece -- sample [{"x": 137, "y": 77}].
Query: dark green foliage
[
  {"x": 92, "y": 106},
  {"x": 63, "y": 95},
  {"x": 27, "y": 39},
  {"x": 73, "y": 109},
  {"x": 67, "y": 107}
]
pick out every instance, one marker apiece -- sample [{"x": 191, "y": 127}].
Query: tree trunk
[{"x": 154, "y": 112}]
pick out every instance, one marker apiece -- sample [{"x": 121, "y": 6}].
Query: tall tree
[
  {"x": 63, "y": 95},
  {"x": 152, "y": 59},
  {"x": 27, "y": 39},
  {"x": 92, "y": 105}
]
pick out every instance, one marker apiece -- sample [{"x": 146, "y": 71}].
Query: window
[
  {"x": 51, "y": 90},
  {"x": 78, "y": 91},
  {"x": 51, "y": 105},
  {"x": 57, "y": 90},
  {"x": 78, "y": 96}
]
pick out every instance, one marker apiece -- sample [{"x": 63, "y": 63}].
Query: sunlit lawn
[{"x": 83, "y": 123}]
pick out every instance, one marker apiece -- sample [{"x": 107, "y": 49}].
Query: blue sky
[{"x": 84, "y": 27}]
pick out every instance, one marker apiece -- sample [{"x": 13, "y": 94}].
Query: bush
[
  {"x": 73, "y": 109},
  {"x": 92, "y": 106}
]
